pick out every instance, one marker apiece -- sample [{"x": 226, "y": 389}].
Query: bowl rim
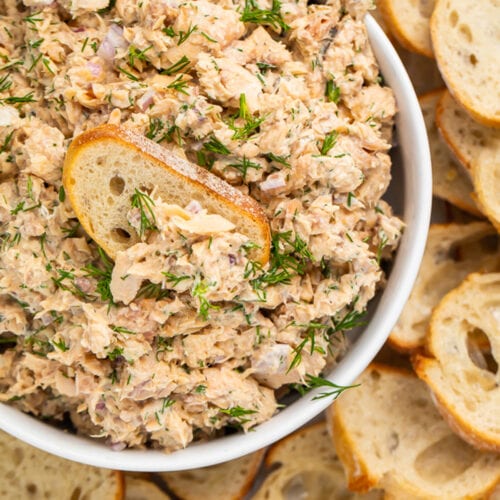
[{"x": 417, "y": 210}]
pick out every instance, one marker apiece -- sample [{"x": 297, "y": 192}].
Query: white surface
[{"x": 417, "y": 204}]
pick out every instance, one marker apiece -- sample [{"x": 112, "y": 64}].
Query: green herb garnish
[
  {"x": 243, "y": 165},
  {"x": 332, "y": 92},
  {"x": 144, "y": 203},
  {"x": 329, "y": 142},
  {"x": 176, "y": 67},
  {"x": 252, "y": 13}
]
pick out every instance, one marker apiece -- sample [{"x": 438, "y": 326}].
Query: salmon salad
[{"x": 183, "y": 336}]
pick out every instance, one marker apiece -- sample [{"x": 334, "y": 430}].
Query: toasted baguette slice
[
  {"x": 105, "y": 165},
  {"x": 141, "y": 489},
  {"x": 26, "y": 472},
  {"x": 462, "y": 373},
  {"x": 465, "y": 44},
  {"x": 388, "y": 434},
  {"x": 305, "y": 465},
  {"x": 228, "y": 481},
  {"x": 486, "y": 180},
  {"x": 464, "y": 136},
  {"x": 408, "y": 21},
  {"x": 449, "y": 181},
  {"x": 452, "y": 252}
]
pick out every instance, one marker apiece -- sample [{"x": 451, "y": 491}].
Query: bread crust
[
  {"x": 395, "y": 25},
  {"x": 405, "y": 336},
  {"x": 443, "y": 63},
  {"x": 120, "y": 485},
  {"x": 445, "y": 134},
  {"x": 457, "y": 423},
  {"x": 424, "y": 364},
  {"x": 186, "y": 172},
  {"x": 357, "y": 471},
  {"x": 252, "y": 469},
  {"x": 458, "y": 189}
]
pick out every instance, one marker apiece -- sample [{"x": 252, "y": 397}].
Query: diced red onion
[
  {"x": 145, "y": 101},
  {"x": 112, "y": 41},
  {"x": 194, "y": 207},
  {"x": 94, "y": 68},
  {"x": 232, "y": 259},
  {"x": 100, "y": 405},
  {"x": 118, "y": 446}
]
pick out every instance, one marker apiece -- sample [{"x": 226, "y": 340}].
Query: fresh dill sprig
[
  {"x": 289, "y": 257},
  {"x": 152, "y": 291},
  {"x": 238, "y": 413},
  {"x": 160, "y": 131},
  {"x": 61, "y": 345},
  {"x": 264, "y": 66},
  {"x": 128, "y": 74},
  {"x": 176, "y": 67},
  {"x": 115, "y": 353},
  {"x": 251, "y": 124},
  {"x": 18, "y": 100},
  {"x": 252, "y": 13},
  {"x": 243, "y": 165},
  {"x": 310, "y": 337},
  {"x": 215, "y": 146},
  {"x": 329, "y": 142},
  {"x": 179, "y": 84},
  {"x": 60, "y": 282},
  {"x": 145, "y": 205},
  {"x": 102, "y": 276},
  {"x": 335, "y": 390},
  {"x": 175, "y": 279},
  {"x": 350, "y": 320},
  {"x": 278, "y": 159},
  {"x": 183, "y": 35},
  {"x": 135, "y": 54},
  {"x": 382, "y": 244},
  {"x": 32, "y": 19},
  {"x": 5, "y": 83},
  {"x": 122, "y": 329},
  {"x": 6, "y": 142},
  {"x": 332, "y": 92},
  {"x": 199, "y": 291},
  {"x": 21, "y": 208}
]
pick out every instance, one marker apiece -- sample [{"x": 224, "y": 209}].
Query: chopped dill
[
  {"x": 332, "y": 92},
  {"x": 215, "y": 146},
  {"x": 243, "y": 165},
  {"x": 329, "y": 142},
  {"x": 144, "y": 203},
  {"x": 238, "y": 413},
  {"x": 252, "y": 13},
  {"x": 176, "y": 67},
  {"x": 199, "y": 291},
  {"x": 179, "y": 84}
]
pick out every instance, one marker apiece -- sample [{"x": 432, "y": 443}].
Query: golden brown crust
[
  {"x": 454, "y": 419},
  {"x": 120, "y": 485},
  {"x": 443, "y": 130},
  {"x": 254, "y": 469},
  {"x": 358, "y": 476},
  {"x": 357, "y": 472},
  {"x": 443, "y": 65},
  {"x": 394, "y": 25},
  {"x": 482, "y": 178},
  {"x": 199, "y": 178}
]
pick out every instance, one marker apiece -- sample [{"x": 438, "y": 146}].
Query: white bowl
[{"x": 412, "y": 184}]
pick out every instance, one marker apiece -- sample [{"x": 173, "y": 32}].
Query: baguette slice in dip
[{"x": 106, "y": 165}]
